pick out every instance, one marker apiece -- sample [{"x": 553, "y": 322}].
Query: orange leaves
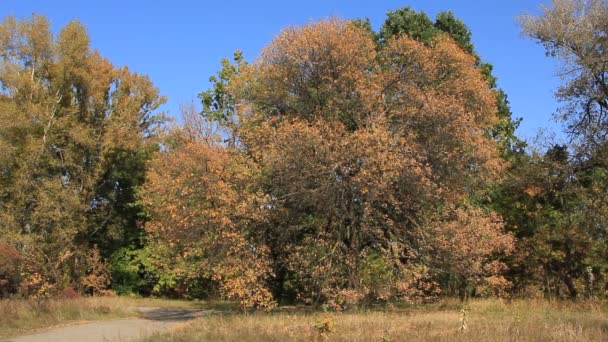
[
  {"x": 98, "y": 275},
  {"x": 199, "y": 200},
  {"x": 321, "y": 70},
  {"x": 243, "y": 272},
  {"x": 345, "y": 152},
  {"x": 433, "y": 98},
  {"x": 198, "y": 187},
  {"x": 438, "y": 98},
  {"x": 533, "y": 191},
  {"x": 467, "y": 242},
  {"x": 359, "y": 147}
]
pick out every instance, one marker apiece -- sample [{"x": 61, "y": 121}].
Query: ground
[
  {"x": 482, "y": 320},
  {"x": 152, "y": 320},
  {"x": 72, "y": 315},
  {"x": 447, "y": 320}
]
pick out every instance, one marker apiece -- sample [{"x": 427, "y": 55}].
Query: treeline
[{"x": 344, "y": 166}]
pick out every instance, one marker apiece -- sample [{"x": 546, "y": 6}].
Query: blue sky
[{"x": 179, "y": 44}]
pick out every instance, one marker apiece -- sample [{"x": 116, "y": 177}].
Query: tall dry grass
[
  {"x": 23, "y": 316},
  {"x": 487, "y": 320}
]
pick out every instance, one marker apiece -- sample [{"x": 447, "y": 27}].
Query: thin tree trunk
[{"x": 572, "y": 291}]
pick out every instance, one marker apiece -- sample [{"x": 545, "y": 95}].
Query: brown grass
[{"x": 488, "y": 320}]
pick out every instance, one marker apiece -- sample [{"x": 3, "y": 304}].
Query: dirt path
[{"x": 153, "y": 320}]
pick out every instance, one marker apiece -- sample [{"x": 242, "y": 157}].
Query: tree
[
  {"x": 572, "y": 227},
  {"x": 311, "y": 81},
  {"x": 219, "y": 104},
  {"x": 554, "y": 207},
  {"x": 203, "y": 212},
  {"x": 406, "y": 20},
  {"x": 447, "y": 22},
  {"x": 574, "y": 31},
  {"x": 72, "y": 125},
  {"x": 358, "y": 148},
  {"x": 466, "y": 244},
  {"x": 420, "y": 27}
]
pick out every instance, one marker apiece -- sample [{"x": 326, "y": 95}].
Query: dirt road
[{"x": 153, "y": 320}]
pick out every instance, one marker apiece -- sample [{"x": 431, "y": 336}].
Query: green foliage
[
  {"x": 75, "y": 132},
  {"x": 448, "y": 23},
  {"x": 407, "y": 21},
  {"x": 128, "y": 271},
  {"x": 553, "y": 205},
  {"x": 377, "y": 275},
  {"x": 218, "y": 102}
]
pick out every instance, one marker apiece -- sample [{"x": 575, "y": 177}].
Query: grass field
[
  {"x": 487, "y": 320},
  {"x": 24, "y": 316}
]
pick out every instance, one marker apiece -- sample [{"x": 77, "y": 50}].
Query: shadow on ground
[{"x": 174, "y": 314}]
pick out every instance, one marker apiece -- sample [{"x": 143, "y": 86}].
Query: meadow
[
  {"x": 481, "y": 320},
  {"x": 484, "y": 320}
]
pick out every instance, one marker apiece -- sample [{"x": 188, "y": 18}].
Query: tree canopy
[
  {"x": 340, "y": 167},
  {"x": 366, "y": 160},
  {"x": 74, "y": 132}
]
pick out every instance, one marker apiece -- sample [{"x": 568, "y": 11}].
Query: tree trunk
[{"x": 572, "y": 291}]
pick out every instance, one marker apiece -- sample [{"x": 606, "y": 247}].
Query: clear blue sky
[{"x": 179, "y": 43}]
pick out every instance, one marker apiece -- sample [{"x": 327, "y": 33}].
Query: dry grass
[
  {"x": 489, "y": 320},
  {"x": 24, "y": 316}
]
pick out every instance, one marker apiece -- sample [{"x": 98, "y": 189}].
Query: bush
[
  {"x": 98, "y": 277},
  {"x": 10, "y": 264},
  {"x": 126, "y": 268},
  {"x": 69, "y": 293}
]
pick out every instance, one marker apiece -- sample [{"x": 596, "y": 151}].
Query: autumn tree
[
  {"x": 358, "y": 148},
  {"x": 203, "y": 211},
  {"x": 72, "y": 127},
  {"x": 465, "y": 244},
  {"x": 417, "y": 25}
]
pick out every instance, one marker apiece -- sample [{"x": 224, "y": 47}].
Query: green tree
[
  {"x": 72, "y": 127},
  {"x": 219, "y": 104},
  {"x": 407, "y": 21},
  {"x": 447, "y": 22},
  {"x": 574, "y": 32},
  {"x": 555, "y": 206}
]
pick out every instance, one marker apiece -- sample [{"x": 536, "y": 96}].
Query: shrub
[{"x": 10, "y": 277}]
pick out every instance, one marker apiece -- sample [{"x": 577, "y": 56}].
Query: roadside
[
  {"x": 154, "y": 319},
  {"x": 20, "y": 317}
]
